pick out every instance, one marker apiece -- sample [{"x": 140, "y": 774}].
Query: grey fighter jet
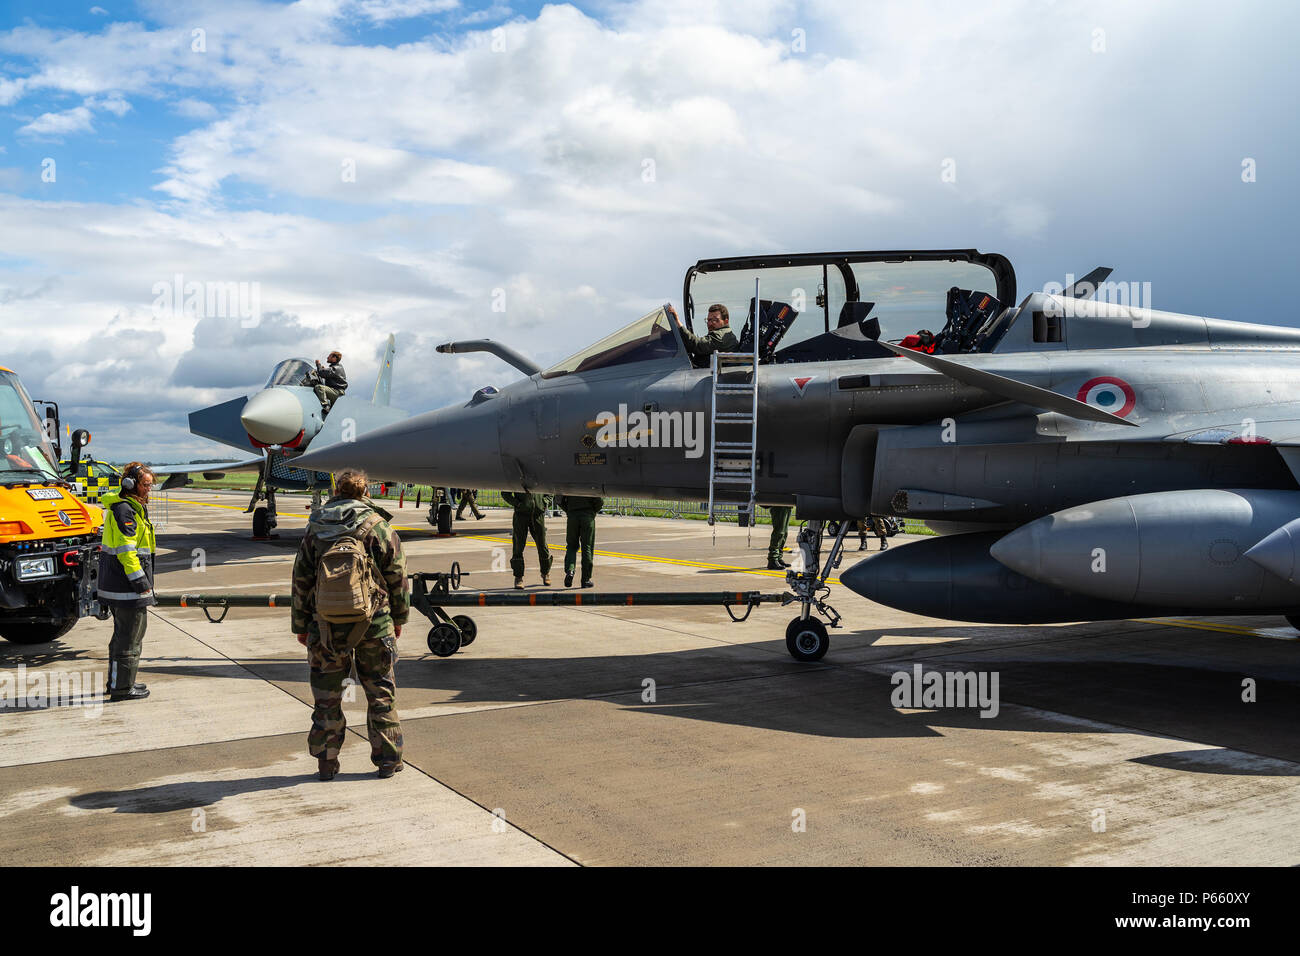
[
  {"x": 279, "y": 423},
  {"x": 1081, "y": 459}
]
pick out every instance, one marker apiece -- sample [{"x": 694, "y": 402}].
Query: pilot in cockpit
[{"x": 720, "y": 338}]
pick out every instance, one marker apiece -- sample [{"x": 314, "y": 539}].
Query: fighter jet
[
  {"x": 1081, "y": 456},
  {"x": 279, "y": 423}
]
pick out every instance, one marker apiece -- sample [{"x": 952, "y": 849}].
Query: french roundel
[{"x": 1110, "y": 394}]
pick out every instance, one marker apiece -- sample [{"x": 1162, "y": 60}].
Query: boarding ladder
[{"x": 733, "y": 429}]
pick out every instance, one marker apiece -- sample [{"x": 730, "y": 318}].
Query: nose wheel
[{"x": 807, "y": 640}]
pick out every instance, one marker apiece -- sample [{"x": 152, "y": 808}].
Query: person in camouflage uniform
[
  {"x": 375, "y": 652},
  {"x": 580, "y": 533},
  {"x": 530, "y": 512}
]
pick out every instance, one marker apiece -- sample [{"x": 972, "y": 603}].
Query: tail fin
[{"x": 384, "y": 383}]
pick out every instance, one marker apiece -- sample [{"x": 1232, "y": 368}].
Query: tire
[
  {"x": 261, "y": 526},
  {"x": 444, "y": 519},
  {"x": 468, "y": 629},
  {"x": 807, "y": 641},
  {"x": 36, "y": 633},
  {"x": 443, "y": 640}
]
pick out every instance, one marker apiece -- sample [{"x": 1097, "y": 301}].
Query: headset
[{"x": 132, "y": 475}]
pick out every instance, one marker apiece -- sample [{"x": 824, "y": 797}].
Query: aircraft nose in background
[{"x": 272, "y": 417}]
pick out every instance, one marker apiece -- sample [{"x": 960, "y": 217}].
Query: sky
[{"x": 326, "y": 172}]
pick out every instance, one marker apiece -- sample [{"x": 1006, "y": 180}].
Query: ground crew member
[
  {"x": 468, "y": 496},
  {"x": 720, "y": 338},
  {"x": 350, "y": 549},
  {"x": 529, "y": 518},
  {"x": 125, "y": 580},
  {"x": 776, "y": 544},
  {"x": 579, "y": 532},
  {"x": 883, "y": 528},
  {"x": 333, "y": 381}
]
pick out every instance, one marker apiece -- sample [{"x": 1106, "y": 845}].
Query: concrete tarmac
[{"x": 629, "y": 735}]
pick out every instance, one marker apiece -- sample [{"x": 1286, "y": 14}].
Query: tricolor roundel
[{"x": 1110, "y": 394}]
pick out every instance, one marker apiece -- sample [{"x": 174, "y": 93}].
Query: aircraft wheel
[
  {"x": 1294, "y": 620},
  {"x": 807, "y": 641},
  {"x": 443, "y": 640},
  {"x": 468, "y": 629},
  {"x": 261, "y": 524}
]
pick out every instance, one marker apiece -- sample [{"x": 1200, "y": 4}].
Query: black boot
[
  {"x": 568, "y": 579},
  {"x": 136, "y": 692}
]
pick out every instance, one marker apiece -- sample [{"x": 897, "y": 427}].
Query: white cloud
[
  {"x": 382, "y": 11},
  {"x": 526, "y": 170},
  {"x": 98, "y": 12},
  {"x": 58, "y": 125},
  {"x": 192, "y": 108}
]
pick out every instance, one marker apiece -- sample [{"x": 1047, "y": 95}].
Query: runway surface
[{"x": 601, "y": 736}]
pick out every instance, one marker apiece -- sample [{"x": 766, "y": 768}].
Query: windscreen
[
  {"x": 649, "y": 337},
  {"x": 289, "y": 372},
  {"x": 27, "y": 454},
  {"x": 911, "y": 296}
]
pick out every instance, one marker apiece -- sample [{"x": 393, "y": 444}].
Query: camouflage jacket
[
  {"x": 719, "y": 340},
  {"x": 525, "y": 502},
  {"x": 338, "y": 517}
]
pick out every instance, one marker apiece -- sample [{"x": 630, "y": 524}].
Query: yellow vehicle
[
  {"x": 93, "y": 479},
  {"x": 49, "y": 540}
]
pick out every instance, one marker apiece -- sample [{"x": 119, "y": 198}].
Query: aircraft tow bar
[{"x": 432, "y": 591}]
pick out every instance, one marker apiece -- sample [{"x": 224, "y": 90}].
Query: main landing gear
[{"x": 806, "y": 637}]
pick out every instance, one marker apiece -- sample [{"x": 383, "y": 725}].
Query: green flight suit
[
  {"x": 580, "y": 531},
  {"x": 530, "y": 510},
  {"x": 700, "y": 347},
  {"x": 780, "y": 529}
]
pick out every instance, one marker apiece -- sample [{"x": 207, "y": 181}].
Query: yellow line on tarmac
[
  {"x": 491, "y": 539},
  {"x": 1203, "y": 626}
]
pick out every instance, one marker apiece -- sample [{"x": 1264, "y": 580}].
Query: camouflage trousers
[{"x": 374, "y": 657}]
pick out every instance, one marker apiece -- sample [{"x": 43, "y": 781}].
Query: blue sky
[{"x": 503, "y": 148}]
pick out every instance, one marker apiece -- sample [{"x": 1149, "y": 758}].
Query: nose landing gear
[{"x": 806, "y": 637}]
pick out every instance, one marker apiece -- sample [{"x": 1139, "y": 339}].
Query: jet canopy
[
  {"x": 650, "y": 337},
  {"x": 845, "y": 302},
  {"x": 290, "y": 372}
]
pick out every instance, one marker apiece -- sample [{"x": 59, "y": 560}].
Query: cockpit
[
  {"x": 822, "y": 307},
  {"x": 292, "y": 371}
]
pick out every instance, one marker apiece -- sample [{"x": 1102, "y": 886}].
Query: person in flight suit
[
  {"x": 780, "y": 530},
  {"x": 580, "y": 533},
  {"x": 468, "y": 498},
  {"x": 125, "y": 581},
  {"x": 720, "y": 338},
  {"x": 529, "y": 518},
  {"x": 333, "y": 381}
]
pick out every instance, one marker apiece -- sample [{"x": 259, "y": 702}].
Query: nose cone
[
  {"x": 272, "y": 417},
  {"x": 458, "y": 447},
  {"x": 1278, "y": 551}
]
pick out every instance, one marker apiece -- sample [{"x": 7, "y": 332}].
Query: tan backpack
[{"x": 347, "y": 584}]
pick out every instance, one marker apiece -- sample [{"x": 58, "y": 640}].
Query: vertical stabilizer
[{"x": 384, "y": 383}]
